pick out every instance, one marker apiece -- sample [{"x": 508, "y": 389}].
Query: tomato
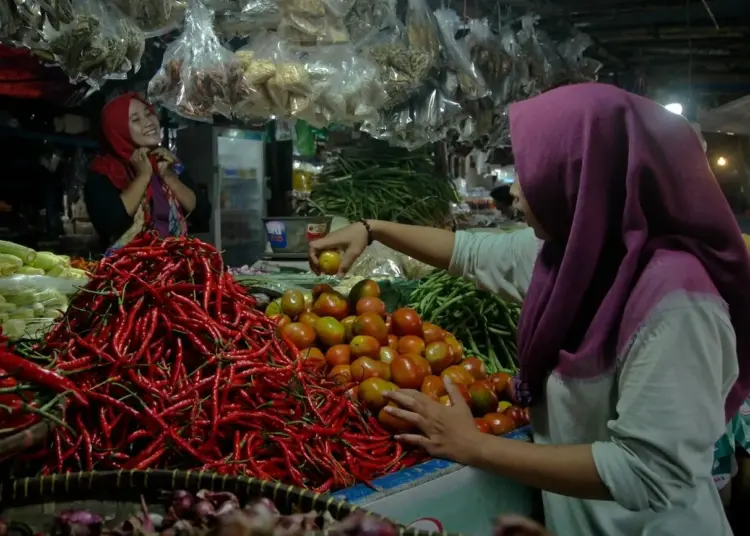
[
  {"x": 293, "y": 303},
  {"x": 385, "y": 369},
  {"x": 348, "y": 324},
  {"x": 341, "y": 374},
  {"x": 483, "y": 398},
  {"x": 455, "y": 346},
  {"x": 439, "y": 356},
  {"x": 329, "y": 331},
  {"x": 445, "y": 400},
  {"x": 301, "y": 335},
  {"x": 331, "y": 304},
  {"x": 274, "y": 308},
  {"x": 500, "y": 423},
  {"x": 364, "y": 345},
  {"x": 371, "y": 305},
  {"x": 339, "y": 354},
  {"x": 482, "y": 425},
  {"x": 282, "y": 321},
  {"x": 393, "y": 342},
  {"x": 503, "y": 406},
  {"x": 367, "y": 288},
  {"x": 433, "y": 387},
  {"x": 364, "y": 368},
  {"x": 475, "y": 367},
  {"x": 500, "y": 381},
  {"x": 407, "y": 373},
  {"x": 353, "y": 393},
  {"x": 373, "y": 325},
  {"x": 371, "y": 392},
  {"x": 411, "y": 344},
  {"x": 330, "y": 262},
  {"x": 431, "y": 333},
  {"x": 406, "y": 322},
  {"x": 308, "y": 318},
  {"x": 387, "y": 355},
  {"x": 393, "y": 424},
  {"x": 421, "y": 362},
  {"x": 308, "y": 300},
  {"x": 518, "y": 415},
  {"x": 389, "y": 324},
  {"x": 458, "y": 375},
  {"x": 320, "y": 289}
]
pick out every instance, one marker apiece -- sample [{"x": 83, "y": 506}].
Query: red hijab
[{"x": 117, "y": 144}]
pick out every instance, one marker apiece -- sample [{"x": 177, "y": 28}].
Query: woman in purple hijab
[{"x": 633, "y": 343}]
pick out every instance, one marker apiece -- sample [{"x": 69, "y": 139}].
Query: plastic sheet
[
  {"x": 381, "y": 262},
  {"x": 243, "y": 18},
  {"x": 274, "y": 82},
  {"x": 198, "y": 76},
  {"x": 96, "y": 45},
  {"x": 469, "y": 79},
  {"x": 368, "y": 17},
  {"x": 154, "y": 17},
  {"x": 313, "y": 22},
  {"x": 572, "y": 51}
]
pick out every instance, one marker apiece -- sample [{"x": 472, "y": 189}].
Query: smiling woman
[{"x": 134, "y": 183}]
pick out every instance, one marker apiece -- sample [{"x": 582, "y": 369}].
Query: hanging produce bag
[
  {"x": 313, "y": 22},
  {"x": 368, "y": 17},
  {"x": 468, "y": 78},
  {"x": 244, "y": 18},
  {"x": 198, "y": 75},
  {"x": 154, "y": 17},
  {"x": 98, "y": 43},
  {"x": 274, "y": 82},
  {"x": 422, "y": 31}
]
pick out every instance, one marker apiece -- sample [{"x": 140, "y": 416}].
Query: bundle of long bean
[
  {"x": 376, "y": 181},
  {"x": 181, "y": 371},
  {"x": 483, "y": 322}
]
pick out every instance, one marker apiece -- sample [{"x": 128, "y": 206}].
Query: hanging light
[
  {"x": 674, "y": 107},
  {"x": 721, "y": 161}
]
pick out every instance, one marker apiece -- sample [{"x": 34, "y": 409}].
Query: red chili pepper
[{"x": 33, "y": 373}]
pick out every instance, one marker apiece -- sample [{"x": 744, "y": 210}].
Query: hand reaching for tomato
[{"x": 448, "y": 432}]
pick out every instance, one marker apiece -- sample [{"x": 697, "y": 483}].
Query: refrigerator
[{"x": 229, "y": 164}]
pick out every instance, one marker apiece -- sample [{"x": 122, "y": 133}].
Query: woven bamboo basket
[{"x": 116, "y": 494}]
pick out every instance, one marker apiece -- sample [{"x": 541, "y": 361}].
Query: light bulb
[
  {"x": 674, "y": 107},
  {"x": 721, "y": 161}
]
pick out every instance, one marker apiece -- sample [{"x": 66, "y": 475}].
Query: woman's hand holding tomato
[{"x": 448, "y": 432}]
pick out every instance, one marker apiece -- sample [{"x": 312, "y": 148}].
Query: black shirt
[{"x": 111, "y": 220}]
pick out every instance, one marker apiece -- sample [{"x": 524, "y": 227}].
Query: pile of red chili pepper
[{"x": 181, "y": 371}]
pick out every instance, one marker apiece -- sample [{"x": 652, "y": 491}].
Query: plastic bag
[
  {"x": 154, "y": 17},
  {"x": 368, "y": 17},
  {"x": 546, "y": 68},
  {"x": 273, "y": 81},
  {"x": 9, "y": 22},
  {"x": 58, "y": 12},
  {"x": 376, "y": 261},
  {"x": 313, "y": 22},
  {"x": 198, "y": 76},
  {"x": 581, "y": 68},
  {"x": 98, "y": 44},
  {"x": 247, "y": 17},
  {"x": 422, "y": 31},
  {"x": 458, "y": 58},
  {"x": 346, "y": 87}
]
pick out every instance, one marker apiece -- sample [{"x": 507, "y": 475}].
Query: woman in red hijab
[{"x": 132, "y": 185}]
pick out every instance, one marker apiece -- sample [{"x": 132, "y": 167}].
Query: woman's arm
[
  {"x": 132, "y": 196},
  {"x": 185, "y": 196},
  {"x": 670, "y": 412}
]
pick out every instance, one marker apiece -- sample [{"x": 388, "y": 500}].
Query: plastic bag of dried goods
[
  {"x": 245, "y": 18},
  {"x": 313, "y": 22},
  {"x": 368, "y": 17},
  {"x": 458, "y": 56},
  {"x": 198, "y": 75},
  {"x": 154, "y": 17}
]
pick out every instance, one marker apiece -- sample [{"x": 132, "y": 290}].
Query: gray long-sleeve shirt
[{"x": 652, "y": 422}]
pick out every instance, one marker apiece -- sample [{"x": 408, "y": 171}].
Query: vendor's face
[
  {"x": 522, "y": 207},
  {"x": 144, "y": 125}
]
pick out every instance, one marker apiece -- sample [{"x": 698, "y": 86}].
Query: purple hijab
[{"x": 618, "y": 181}]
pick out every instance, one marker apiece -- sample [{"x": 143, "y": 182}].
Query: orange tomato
[
  {"x": 393, "y": 342},
  {"x": 371, "y": 393},
  {"x": 387, "y": 355},
  {"x": 433, "y": 387},
  {"x": 438, "y": 355},
  {"x": 329, "y": 262},
  {"x": 282, "y": 321},
  {"x": 301, "y": 335},
  {"x": 445, "y": 400},
  {"x": 406, "y": 322},
  {"x": 364, "y": 345},
  {"x": 331, "y": 304},
  {"x": 483, "y": 398},
  {"x": 293, "y": 303},
  {"x": 348, "y": 324},
  {"x": 385, "y": 369},
  {"x": 475, "y": 367},
  {"x": 329, "y": 331},
  {"x": 411, "y": 344},
  {"x": 393, "y": 424},
  {"x": 320, "y": 289},
  {"x": 314, "y": 357},
  {"x": 518, "y": 415},
  {"x": 407, "y": 373},
  {"x": 456, "y": 348},
  {"x": 500, "y": 423},
  {"x": 341, "y": 374},
  {"x": 308, "y": 318},
  {"x": 482, "y": 425},
  {"x": 370, "y": 305},
  {"x": 431, "y": 333},
  {"x": 373, "y": 325},
  {"x": 458, "y": 375},
  {"x": 364, "y": 368},
  {"x": 339, "y": 354},
  {"x": 500, "y": 381}
]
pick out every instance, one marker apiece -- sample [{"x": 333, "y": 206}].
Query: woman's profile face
[
  {"x": 145, "y": 130},
  {"x": 521, "y": 206}
]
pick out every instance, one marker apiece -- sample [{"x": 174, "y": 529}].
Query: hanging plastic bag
[
  {"x": 457, "y": 54},
  {"x": 368, "y": 17},
  {"x": 98, "y": 44},
  {"x": 273, "y": 83},
  {"x": 313, "y": 22},
  {"x": 422, "y": 31},
  {"x": 198, "y": 76},
  {"x": 247, "y": 18},
  {"x": 581, "y": 68},
  {"x": 58, "y": 12},
  {"x": 154, "y": 17},
  {"x": 546, "y": 68}
]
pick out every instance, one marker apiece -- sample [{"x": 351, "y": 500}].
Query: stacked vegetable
[
  {"x": 362, "y": 347},
  {"x": 181, "y": 371},
  {"x": 482, "y": 321},
  {"x": 29, "y": 301}
]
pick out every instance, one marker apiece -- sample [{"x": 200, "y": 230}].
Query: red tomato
[
  {"x": 433, "y": 387},
  {"x": 339, "y": 354},
  {"x": 407, "y": 373},
  {"x": 301, "y": 335},
  {"x": 364, "y": 368},
  {"x": 371, "y": 393},
  {"x": 483, "y": 398},
  {"x": 475, "y": 367},
  {"x": 482, "y": 425},
  {"x": 394, "y": 424},
  {"x": 370, "y": 305},
  {"x": 500, "y": 423},
  {"x": 458, "y": 375},
  {"x": 406, "y": 322},
  {"x": 341, "y": 374},
  {"x": 411, "y": 344},
  {"x": 500, "y": 381},
  {"x": 431, "y": 333}
]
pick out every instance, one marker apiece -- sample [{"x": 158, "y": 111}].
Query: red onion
[
  {"x": 204, "y": 509},
  {"x": 78, "y": 523},
  {"x": 218, "y": 498},
  {"x": 179, "y": 504}
]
